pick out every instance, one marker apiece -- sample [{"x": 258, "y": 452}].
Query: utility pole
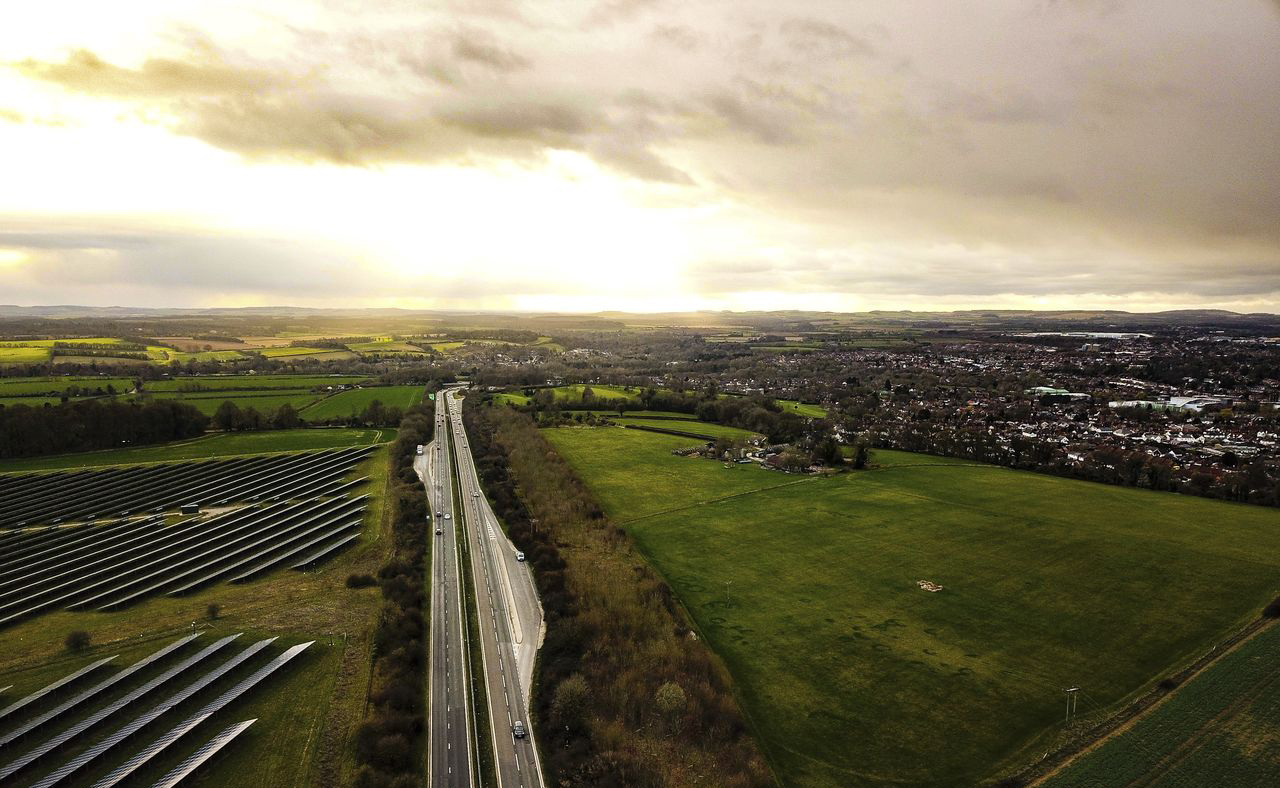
[{"x": 1072, "y": 693}]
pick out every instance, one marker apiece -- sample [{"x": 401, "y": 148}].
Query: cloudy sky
[{"x": 642, "y": 154}]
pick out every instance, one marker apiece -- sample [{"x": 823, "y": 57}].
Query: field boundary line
[
  {"x": 1140, "y": 707},
  {"x": 715, "y": 500},
  {"x": 1188, "y": 745}
]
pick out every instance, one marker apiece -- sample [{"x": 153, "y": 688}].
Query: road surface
[
  {"x": 509, "y": 614},
  {"x": 450, "y": 763}
]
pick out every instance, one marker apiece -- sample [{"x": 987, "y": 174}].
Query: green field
[
  {"x": 510, "y": 398},
  {"x": 446, "y": 347},
  {"x": 853, "y": 674},
  {"x": 20, "y": 355},
  {"x": 25, "y": 387},
  {"x": 31, "y": 402},
  {"x": 204, "y": 355},
  {"x": 697, "y": 427},
  {"x": 315, "y": 353},
  {"x": 354, "y": 401},
  {"x": 802, "y": 409},
  {"x": 265, "y": 401},
  {"x": 1222, "y": 729},
  {"x": 385, "y": 346},
  {"x": 214, "y": 445},
  {"x": 229, "y": 382},
  {"x": 573, "y": 393}
]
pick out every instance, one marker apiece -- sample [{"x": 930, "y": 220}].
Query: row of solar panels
[
  {"x": 35, "y": 499},
  {"x": 105, "y": 568},
  {"x": 79, "y": 736}
]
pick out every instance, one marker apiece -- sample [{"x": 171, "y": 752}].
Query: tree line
[
  {"x": 627, "y": 695},
  {"x": 94, "y": 424},
  {"x": 756, "y": 412},
  {"x": 388, "y": 744}
]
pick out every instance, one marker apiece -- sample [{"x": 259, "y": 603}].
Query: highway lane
[
  {"x": 449, "y": 755},
  {"x": 509, "y": 615}
]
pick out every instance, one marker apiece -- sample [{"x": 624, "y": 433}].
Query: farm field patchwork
[
  {"x": 228, "y": 444},
  {"x": 1220, "y": 729},
  {"x": 853, "y": 674},
  {"x": 354, "y": 401}
]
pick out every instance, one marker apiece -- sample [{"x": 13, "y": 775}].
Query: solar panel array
[
  {"x": 117, "y": 567},
  {"x": 50, "y": 498},
  {"x": 196, "y": 759},
  {"x": 143, "y": 709}
]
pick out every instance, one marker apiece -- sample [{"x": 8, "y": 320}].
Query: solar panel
[
  {"x": 17, "y": 765},
  {"x": 256, "y": 550},
  {"x": 62, "y": 682},
  {"x": 324, "y": 552},
  {"x": 184, "y": 727},
  {"x": 58, "y": 711},
  {"x": 165, "y": 575},
  {"x": 295, "y": 551},
  {"x": 206, "y": 751},
  {"x": 140, "y": 722},
  {"x": 74, "y": 588}
]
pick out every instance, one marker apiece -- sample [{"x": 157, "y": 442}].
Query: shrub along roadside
[
  {"x": 388, "y": 744},
  {"x": 651, "y": 705}
]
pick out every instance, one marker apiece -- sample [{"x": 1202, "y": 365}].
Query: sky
[{"x": 642, "y": 155}]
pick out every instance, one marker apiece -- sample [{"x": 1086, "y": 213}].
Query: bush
[
  {"x": 1167, "y": 683},
  {"x": 212, "y": 611},
  {"x": 77, "y": 640},
  {"x": 361, "y": 581},
  {"x": 1272, "y": 610}
]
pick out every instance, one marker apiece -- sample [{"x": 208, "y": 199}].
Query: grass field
[
  {"x": 312, "y": 353},
  {"x": 264, "y": 400},
  {"x": 509, "y": 398},
  {"x": 230, "y": 382},
  {"x": 23, "y": 387},
  {"x": 214, "y": 445},
  {"x": 204, "y": 355},
  {"x": 385, "y": 346},
  {"x": 307, "y": 713},
  {"x": 697, "y": 427},
  {"x": 573, "y": 393},
  {"x": 854, "y": 675},
  {"x": 31, "y": 402},
  {"x": 23, "y": 355},
  {"x": 1222, "y": 728},
  {"x": 351, "y": 402},
  {"x": 802, "y": 409}
]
